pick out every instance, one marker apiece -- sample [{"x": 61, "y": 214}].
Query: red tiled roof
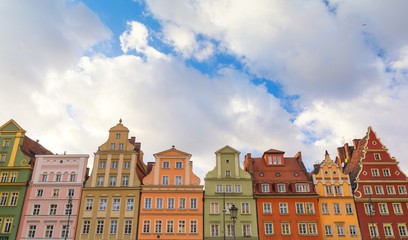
[{"x": 31, "y": 148}]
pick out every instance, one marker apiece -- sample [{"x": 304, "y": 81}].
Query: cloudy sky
[{"x": 303, "y": 76}]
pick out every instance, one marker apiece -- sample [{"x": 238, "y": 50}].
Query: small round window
[
  {"x": 261, "y": 174},
  {"x": 278, "y": 174},
  {"x": 227, "y": 160},
  {"x": 296, "y": 174}
]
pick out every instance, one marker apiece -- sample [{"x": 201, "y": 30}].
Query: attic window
[
  {"x": 117, "y": 135},
  {"x": 377, "y": 156},
  {"x": 278, "y": 174},
  {"x": 296, "y": 174},
  {"x": 326, "y": 172},
  {"x": 261, "y": 174}
]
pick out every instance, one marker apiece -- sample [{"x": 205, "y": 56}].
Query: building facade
[
  {"x": 171, "y": 199},
  {"x": 227, "y": 185},
  {"x": 380, "y": 188},
  {"x": 337, "y": 209},
  {"x": 287, "y": 203},
  {"x": 110, "y": 198},
  {"x": 17, "y": 155},
  {"x": 53, "y": 197}
]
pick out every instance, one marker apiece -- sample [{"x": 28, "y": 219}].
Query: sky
[{"x": 298, "y": 76}]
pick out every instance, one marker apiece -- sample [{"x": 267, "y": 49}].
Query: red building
[
  {"x": 287, "y": 204},
  {"x": 380, "y": 188}
]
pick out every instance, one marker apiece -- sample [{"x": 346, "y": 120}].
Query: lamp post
[
  {"x": 233, "y": 211},
  {"x": 69, "y": 214},
  {"x": 371, "y": 216}
]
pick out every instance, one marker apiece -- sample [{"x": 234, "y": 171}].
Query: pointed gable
[{"x": 11, "y": 126}]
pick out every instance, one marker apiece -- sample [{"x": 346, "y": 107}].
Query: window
[
  {"x": 112, "y": 181},
  {"x": 179, "y": 180},
  {"x": 219, "y": 188},
  {"x": 85, "y": 226},
  {"x": 402, "y": 190},
  {"x": 102, "y": 165},
  {"x": 328, "y": 230},
  {"x": 375, "y": 172},
  {"x": 182, "y": 203},
  {"x": 268, "y": 228},
  {"x": 166, "y": 165},
  {"x": 397, "y": 208},
  {"x": 4, "y": 177},
  {"x": 228, "y": 188},
  {"x": 68, "y": 209},
  {"x": 379, "y": 190},
  {"x": 340, "y": 230},
  {"x": 325, "y": 208},
  {"x": 130, "y": 204},
  {"x": 158, "y": 226},
  {"x": 89, "y": 204},
  {"x": 230, "y": 230},
  {"x": 99, "y": 226},
  {"x": 265, "y": 188},
  {"x": 113, "y": 146},
  {"x": 300, "y": 208},
  {"x": 402, "y": 230},
  {"x": 390, "y": 190},
  {"x": 281, "y": 188},
  {"x": 71, "y": 192},
  {"x": 170, "y": 226},
  {"x": 215, "y": 230},
  {"x": 148, "y": 203},
  {"x": 181, "y": 226},
  {"x": 170, "y": 203},
  {"x": 337, "y": 189},
  {"x": 58, "y": 177},
  {"x": 6, "y": 143},
  {"x": 238, "y": 188},
  {"x": 49, "y": 230},
  {"x": 55, "y": 192},
  {"x": 40, "y": 192},
  {"x": 193, "y": 203},
  {"x": 246, "y": 230},
  {"x": 214, "y": 208},
  {"x": 245, "y": 208},
  {"x": 100, "y": 181},
  {"x": 367, "y": 190},
  {"x": 125, "y": 180},
  {"x": 312, "y": 228},
  {"x": 120, "y": 146},
  {"x": 353, "y": 230},
  {"x": 159, "y": 203},
  {"x": 117, "y": 135},
  {"x": 13, "y": 199},
  {"x": 377, "y": 156},
  {"x": 126, "y": 164},
  {"x": 113, "y": 229},
  {"x": 302, "y": 187},
  {"x": 283, "y": 208},
  {"x": 102, "y": 204},
  {"x": 53, "y": 209},
  {"x": 2, "y": 157},
  {"x": 13, "y": 177},
  {"x": 267, "y": 208},
  {"x": 7, "y": 225},
  {"x": 114, "y": 164},
  {"x": 179, "y": 165},
  {"x": 72, "y": 177},
  {"x": 165, "y": 180},
  {"x": 116, "y": 204},
  {"x": 309, "y": 208},
  {"x": 3, "y": 200},
  {"x": 386, "y": 172},
  {"x": 329, "y": 189},
  {"x": 368, "y": 208},
  {"x": 146, "y": 226},
  {"x": 336, "y": 208},
  {"x": 302, "y": 228},
  {"x": 228, "y": 173},
  {"x": 383, "y": 208},
  {"x": 31, "y": 231},
  {"x": 193, "y": 226},
  {"x": 36, "y": 209},
  {"x": 64, "y": 231},
  {"x": 285, "y": 228},
  {"x": 349, "y": 208},
  {"x": 388, "y": 230}
]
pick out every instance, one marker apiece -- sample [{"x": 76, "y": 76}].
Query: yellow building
[
  {"x": 337, "y": 208},
  {"x": 110, "y": 198}
]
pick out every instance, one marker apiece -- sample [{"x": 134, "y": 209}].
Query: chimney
[{"x": 132, "y": 140}]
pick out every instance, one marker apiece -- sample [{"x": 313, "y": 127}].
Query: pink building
[{"x": 53, "y": 197}]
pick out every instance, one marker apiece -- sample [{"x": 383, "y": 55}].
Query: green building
[
  {"x": 17, "y": 154},
  {"x": 227, "y": 185}
]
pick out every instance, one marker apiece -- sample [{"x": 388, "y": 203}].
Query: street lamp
[
  {"x": 233, "y": 212},
  {"x": 372, "y": 211},
  {"x": 69, "y": 214}
]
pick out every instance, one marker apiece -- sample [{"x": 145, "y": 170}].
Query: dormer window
[
  {"x": 302, "y": 187},
  {"x": 281, "y": 187},
  {"x": 274, "y": 160},
  {"x": 265, "y": 188}
]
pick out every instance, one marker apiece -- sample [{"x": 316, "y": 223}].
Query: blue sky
[{"x": 303, "y": 76}]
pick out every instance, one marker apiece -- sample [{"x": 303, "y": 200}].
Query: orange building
[
  {"x": 287, "y": 203},
  {"x": 171, "y": 204}
]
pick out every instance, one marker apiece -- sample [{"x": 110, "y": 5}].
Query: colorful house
[
  {"x": 380, "y": 188},
  {"x": 53, "y": 197},
  {"x": 287, "y": 203},
  {"x": 171, "y": 199},
  {"x": 110, "y": 198},
  {"x": 229, "y": 185},
  {"x": 337, "y": 210},
  {"x": 17, "y": 155}
]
